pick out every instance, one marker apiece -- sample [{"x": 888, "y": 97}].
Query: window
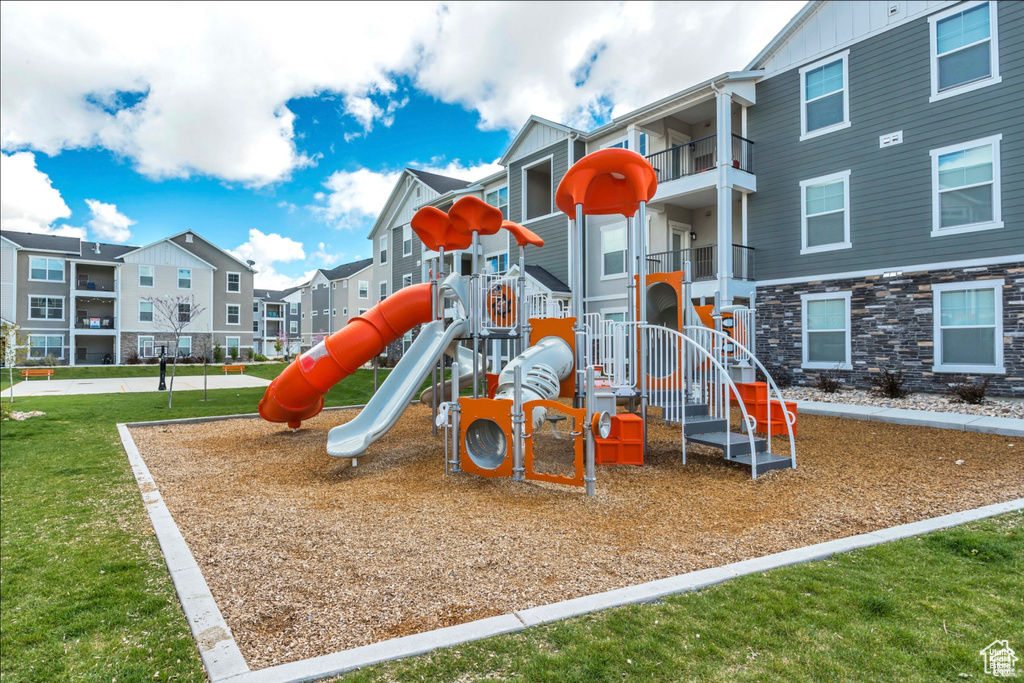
[
  {"x": 344, "y": 311},
  {"x": 325, "y": 311},
  {"x": 383, "y": 248},
  {"x": 184, "y": 278},
  {"x": 406, "y": 341},
  {"x": 499, "y": 198},
  {"x": 312, "y": 314},
  {"x": 969, "y": 326},
  {"x": 344, "y": 284},
  {"x": 234, "y": 282},
  {"x": 303, "y": 317},
  {"x": 334, "y": 313},
  {"x": 407, "y": 280},
  {"x": 184, "y": 347},
  {"x": 613, "y": 251},
  {"x": 364, "y": 289},
  {"x": 537, "y": 190},
  {"x": 47, "y": 269},
  {"x": 826, "y": 330},
  {"x": 825, "y": 102},
  {"x": 617, "y": 315},
  {"x": 255, "y": 306},
  {"x": 825, "y": 216},
  {"x": 145, "y": 311},
  {"x": 383, "y": 290},
  {"x": 293, "y": 309},
  {"x": 255, "y": 325},
  {"x": 147, "y": 348},
  {"x": 184, "y": 313},
  {"x": 407, "y": 240},
  {"x": 293, "y": 327},
  {"x": 966, "y": 187},
  {"x": 146, "y": 275},
  {"x": 964, "y": 49},
  {"x": 362, "y": 311},
  {"x": 234, "y": 315},
  {"x": 232, "y": 343},
  {"x": 497, "y": 263},
  {"x": 188, "y": 238},
  {"x": 642, "y": 145},
  {"x": 42, "y": 345},
  {"x": 46, "y": 308},
  {"x": 334, "y": 285}
]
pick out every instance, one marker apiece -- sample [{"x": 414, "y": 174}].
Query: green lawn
[{"x": 86, "y": 595}]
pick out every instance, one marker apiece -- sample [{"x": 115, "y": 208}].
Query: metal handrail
[
  {"x": 699, "y": 156},
  {"x": 703, "y": 261}
]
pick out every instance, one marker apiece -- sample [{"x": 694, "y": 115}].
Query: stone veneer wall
[
  {"x": 892, "y": 327},
  {"x": 201, "y": 343}
]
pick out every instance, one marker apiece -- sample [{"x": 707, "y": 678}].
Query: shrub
[
  {"x": 132, "y": 357},
  {"x": 5, "y": 411},
  {"x": 154, "y": 360},
  {"x": 829, "y": 382},
  {"x": 259, "y": 358},
  {"x": 233, "y": 352},
  {"x": 218, "y": 353},
  {"x": 50, "y": 360},
  {"x": 782, "y": 375},
  {"x": 966, "y": 391},
  {"x": 890, "y": 384}
]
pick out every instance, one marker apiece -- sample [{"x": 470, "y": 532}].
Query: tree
[
  {"x": 12, "y": 348},
  {"x": 174, "y": 315},
  {"x": 280, "y": 342}
]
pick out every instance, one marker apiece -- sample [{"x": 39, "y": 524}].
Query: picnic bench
[
  {"x": 37, "y": 372},
  {"x": 234, "y": 368}
]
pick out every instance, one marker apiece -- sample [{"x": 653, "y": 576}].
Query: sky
[{"x": 277, "y": 130}]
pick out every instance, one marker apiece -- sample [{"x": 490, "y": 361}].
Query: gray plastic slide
[
  {"x": 465, "y": 360},
  {"x": 351, "y": 439}
]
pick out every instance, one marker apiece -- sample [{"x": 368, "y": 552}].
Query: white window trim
[
  {"x": 383, "y": 246},
  {"x": 293, "y": 308},
  {"x": 181, "y": 339},
  {"x": 293, "y": 327},
  {"x": 227, "y": 282},
  {"x": 362, "y": 311},
  {"x": 845, "y": 123},
  {"x": 238, "y": 344},
  {"x": 152, "y": 311},
  {"x": 344, "y": 311},
  {"x": 804, "y": 184},
  {"x": 334, "y": 312},
  {"x": 498, "y": 254},
  {"x": 997, "y": 209},
  {"x": 63, "y": 307},
  {"x": 497, "y": 190},
  {"x": 616, "y": 142},
  {"x": 360, "y": 292},
  {"x": 312, "y": 314},
  {"x": 522, "y": 200},
  {"x": 140, "y": 341},
  {"x": 937, "y": 364},
  {"x": 625, "y": 251},
  {"x": 818, "y": 365},
  {"x": 933, "y": 56},
  {"x": 227, "y": 314},
  {"x": 614, "y": 309},
  {"x": 46, "y": 347},
  {"x": 334, "y": 285},
  {"x": 153, "y": 275},
  {"x": 407, "y": 229},
  {"x": 178, "y": 278},
  {"x": 407, "y": 280},
  {"x": 63, "y": 269}
]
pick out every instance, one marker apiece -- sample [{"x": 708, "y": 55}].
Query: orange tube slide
[{"x": 298, "y": 393}]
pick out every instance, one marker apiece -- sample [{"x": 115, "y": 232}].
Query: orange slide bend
[{"x": 298, "y": 393}]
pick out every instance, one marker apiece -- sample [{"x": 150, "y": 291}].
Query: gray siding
[
  {"x": 321, "y": 301},
  {"x": 890, "y": 189},
  {"x": 554, "y": 255},
  {"x": 401, "y": 265},
  {"x": 28, "y": 288}
]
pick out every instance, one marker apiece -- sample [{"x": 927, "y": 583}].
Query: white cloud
[
  {"x": 269, "y": 278},
  {"x": 203, "y": 88},
  {"x": 266, "y": 250},
  {"x": 325, "y": 257},
  {"x": 28, "y": 200},
  {"x": 108, "y": 224}
]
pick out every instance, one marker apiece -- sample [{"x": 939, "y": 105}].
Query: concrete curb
[
  {"x": 224, "y": 661},
  {"x": 1003, "y": 426}
]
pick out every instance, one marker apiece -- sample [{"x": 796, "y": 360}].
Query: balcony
[
  {"x": 95, "y": 283},
  {"x": 699, "y": 156},
  {"x": 703, "y": 262},
  {"x": 96, "y": 323}
]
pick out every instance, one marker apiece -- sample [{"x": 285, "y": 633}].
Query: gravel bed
[
  {"x": 933, "y": 402},
  {"x": 307, "y": 555}
]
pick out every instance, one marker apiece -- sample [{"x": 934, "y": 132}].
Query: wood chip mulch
[{"x": 307, "y": 555}]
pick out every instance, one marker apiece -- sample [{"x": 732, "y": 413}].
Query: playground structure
[{"x": 694, "y": 364}]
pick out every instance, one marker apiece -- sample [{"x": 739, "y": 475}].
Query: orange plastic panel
[
  {"x": 580, "y": 416},
  {"x": 524, "y": 236},
  {"x": 501, "y": 305},
  {"x": 499, "y": 411},
  {"x": 609, "y": 181},
  {"x": 492, "y": 384},
  {"x": 471, "y": 214},
  {"x": 561, "y": 328},
  {"x": 297, "y": 393},
  {"x": 435, "y": 230}
]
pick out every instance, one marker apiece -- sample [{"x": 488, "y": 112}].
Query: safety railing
[
  {"x": 743, "y": 334},
  {"x": 703, "y": 262},
  {"x": 543, "y": 305},
  {"x": 94, "y": 283},
  {"x": 95, "y": 322},
  {"x": 497, "y": 301},
  {"x": 700, "y": 156}
]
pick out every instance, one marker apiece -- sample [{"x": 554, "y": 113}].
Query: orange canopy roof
[
  {"x": 609, "y": 181},
  {"x": 470, "y": 214},
  {"x": 523, "y": 235},
  {"x": 435, "y": 230}
]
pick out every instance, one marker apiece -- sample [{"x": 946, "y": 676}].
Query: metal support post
[
  {"x": 375, "y": 373},
  {"x": 642, "y": 313},
  {"x": 474, "y": 317},
  {"x": 518, "y": 424},
  {"x": 456, "y": 421},
  {"x": 588, "y": 457},
  {"x": 684, "y": 315},
  {"x": 579, "y": 336},
  {"x": 524, "y": 308}
]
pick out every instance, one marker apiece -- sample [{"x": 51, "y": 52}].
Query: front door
[{"x": 679, "y": 242}]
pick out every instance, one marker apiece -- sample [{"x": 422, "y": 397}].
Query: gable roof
[
  {"x": 347, "y": 269},
  {"x": 534, "y": 120},
  {"x": 108, "y": 252},
  {"x": 441, "y": 184},
  {"x": 223, "y": 251},
  {"x": 788, "y": 30},
  {"x": 174, "y": 244},
  {"x": 547, "y": 279},
  {"x": 41, "y": 242}
]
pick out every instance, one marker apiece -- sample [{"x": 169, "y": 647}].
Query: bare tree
[
  {"x": 174, "y": 315},
  {"x": 12, "y": 348}
]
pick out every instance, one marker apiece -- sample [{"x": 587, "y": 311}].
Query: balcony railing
[
  {"x": 95, "y": 322},
  {"x": 94, "y": 358},
  {"x": 699, "y": 156},
  {"x": 93, "y": 283},
  {"x": 703, "y": 262}
]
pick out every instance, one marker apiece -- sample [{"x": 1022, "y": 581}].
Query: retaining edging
[{"x": 1002, "y": 426}]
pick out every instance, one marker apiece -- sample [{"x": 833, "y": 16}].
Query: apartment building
[
  {"x": 87, "y": 303},
  {"x": 334, "y": 296},
  {"x": 276, "y": 320},
  {"x": 880, "y": 226}
]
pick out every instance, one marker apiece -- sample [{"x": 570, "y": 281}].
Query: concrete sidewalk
[
  {"x": 1004, "y": 426},
  {"x": 129, "y": 385}
]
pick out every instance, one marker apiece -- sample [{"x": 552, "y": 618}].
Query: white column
[
  {"x": 72, "y": 312},
  {"x": 724, "y": 145},
  {"x": 117, "y": 315}
]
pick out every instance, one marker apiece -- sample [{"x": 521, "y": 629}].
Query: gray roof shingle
[
  {"x": 547, "y": 279},
  {"x": 346, "y": 269},
  {"x": 441, "y": 184},
  {"x": 32, "y": 240}
]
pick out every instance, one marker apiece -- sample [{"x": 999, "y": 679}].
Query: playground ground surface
[{"x": 306, "y": 555}]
